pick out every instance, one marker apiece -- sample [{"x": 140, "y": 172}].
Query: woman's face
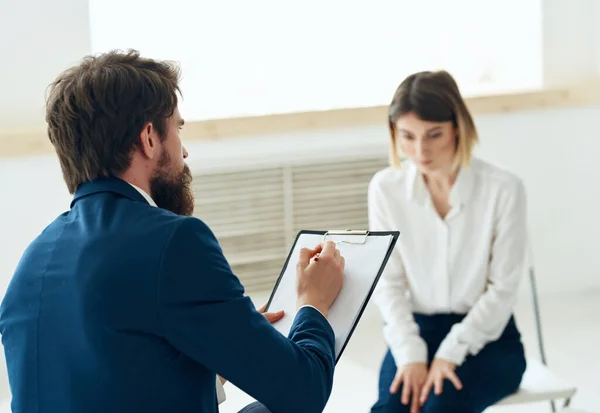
[{"x": 430, "y": 145}]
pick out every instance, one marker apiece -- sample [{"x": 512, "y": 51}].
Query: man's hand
[
  {"x": 320, "y": 274},
  {"x": 413, "y": 375},
  {"x": 439, "y": 371},
  {"x": 271, "y": 318}
]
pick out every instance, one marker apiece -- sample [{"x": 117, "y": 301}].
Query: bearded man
[{"x": 125, "y": 303}]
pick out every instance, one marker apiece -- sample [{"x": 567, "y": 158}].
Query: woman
[{"x": 447, "y": 294}]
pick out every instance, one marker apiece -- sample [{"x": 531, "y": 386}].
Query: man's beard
[{"x": 172, "y": 191}]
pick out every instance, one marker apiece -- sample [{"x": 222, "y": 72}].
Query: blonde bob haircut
[{"x": 433, "y": 97}]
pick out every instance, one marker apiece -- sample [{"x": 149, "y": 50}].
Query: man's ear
[{"x": 149, "y": 141}]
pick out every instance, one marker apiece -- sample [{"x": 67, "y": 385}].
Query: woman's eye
[
  {"x": 435, "y": 135},
  {"x": 409, "y": 137}
]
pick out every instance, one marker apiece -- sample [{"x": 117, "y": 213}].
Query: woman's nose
[{"x": 421, "y": 148}]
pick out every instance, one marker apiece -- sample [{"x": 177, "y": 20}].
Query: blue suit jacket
[{"x": 119, "y": 306}]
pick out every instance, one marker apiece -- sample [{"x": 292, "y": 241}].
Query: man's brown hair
[{"x": 96, "y": 111}]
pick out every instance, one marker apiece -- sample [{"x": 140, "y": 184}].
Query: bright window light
[{"x": 247, "y": 58}]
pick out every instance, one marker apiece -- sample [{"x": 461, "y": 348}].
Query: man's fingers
[
  {"x": 339, "y": 259},
  {"x": 318, "y": 249},
  {"x": 262, "y": 308},
  {"x": 455, "y": 380},
  {"x": 305, "y": 255},
  {"x": 329, "y": 249},
  {"x": 396, "y": 384},
  {"x": 273, "y": 317},
  {"x": 304, "y": 258}
]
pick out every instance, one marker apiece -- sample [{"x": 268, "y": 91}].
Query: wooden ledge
[{"x": 35, "y": 142}]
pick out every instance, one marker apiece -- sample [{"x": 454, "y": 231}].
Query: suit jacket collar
[
  {"x": 144, "y": 194},
  {"x": 111, "y": 184}
]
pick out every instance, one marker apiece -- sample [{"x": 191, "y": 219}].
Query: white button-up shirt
[{"x": 470, "y": 262}]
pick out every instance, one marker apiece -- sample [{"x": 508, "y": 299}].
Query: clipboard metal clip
[{"x": 347, "y": 232}]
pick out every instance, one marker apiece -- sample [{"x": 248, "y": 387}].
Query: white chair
[{"x": 539, "y": 383}]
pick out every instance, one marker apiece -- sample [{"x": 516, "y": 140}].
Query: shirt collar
[
  {"x": 144, "y": 194},
  {"x": 459, "y": 194},
  {"x": 416, "y": 188},
  {"x": 463, "y": 187}
]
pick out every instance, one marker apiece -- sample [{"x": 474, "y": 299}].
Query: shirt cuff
[
  {"x": 407, "y": 354},
  {"x": 308, "y": 305},
  {"x": 220, "y": 391},
  {"x": 452, "y": 350}
]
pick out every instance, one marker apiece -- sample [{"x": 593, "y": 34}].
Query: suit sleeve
[{"x": 205, "y": 315}]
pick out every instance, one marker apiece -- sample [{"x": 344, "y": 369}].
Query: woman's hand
[
  {"x": 413, "y": 375},
  {"x": 439, "y": 371}
]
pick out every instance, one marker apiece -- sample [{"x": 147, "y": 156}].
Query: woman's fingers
[
  {"x": 438, "y": 384},
  {"x": 414, "y": 408},
  {"x": 396, "y": 384},
  {"x": 406, "y": 390},
  {"x": 455, "y": 380},
  {"x": 436, "y": 381},
  {"x": 426, "y": 389}
]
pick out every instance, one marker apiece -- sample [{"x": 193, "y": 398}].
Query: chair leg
[
  {"x": 538, "y": 324},
  {"x": 567, "y": 403},
  {"x": 538, "y": 318}
]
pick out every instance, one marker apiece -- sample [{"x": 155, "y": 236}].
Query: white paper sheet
[{"x": 363, "y": 263}]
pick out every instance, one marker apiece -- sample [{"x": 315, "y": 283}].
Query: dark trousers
[
  {"x": 494, "y": 373},
  {"x": 255, "y": 407}
]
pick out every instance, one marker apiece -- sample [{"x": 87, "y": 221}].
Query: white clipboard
[{"x": 366, "y": 254}]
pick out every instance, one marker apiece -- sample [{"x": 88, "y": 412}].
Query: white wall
[
  {"x": 556, "y": 153},
  {"x": 33, "y": 193},
  {"x": 571, "y": 46},
  {"x": 38, "y": 39}
]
